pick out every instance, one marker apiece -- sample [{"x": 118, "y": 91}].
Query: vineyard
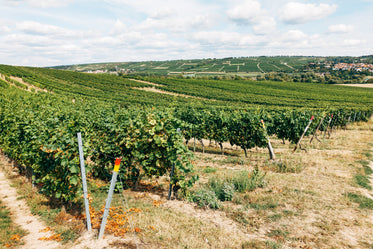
[{"x": 118, "y": 119}]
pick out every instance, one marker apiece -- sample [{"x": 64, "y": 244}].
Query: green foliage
[
  {"x": 40, "y": 130},
  {"x": 363, "y": 201},
  {"x": 206, "y": 198},
  {"x": 247, "y": 131},
  {"x": 363, "y": 181},
  {"x": 3, "y": 83},
  {"x": 222, "y": 189},
  {"x": 210, "y": 170},
  {"x": 248, "y": 181},
  {"x": 286, "y": 166},
  {"x": 225, "y": 188}
]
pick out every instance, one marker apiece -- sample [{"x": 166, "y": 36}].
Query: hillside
[
  {"x": 226, "y": 94},
  {"x": 242, "y": 66},
  {"x": 228, "y": 67}
]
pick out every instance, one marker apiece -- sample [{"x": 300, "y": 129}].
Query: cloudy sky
[{"x": 61, "y": 32}]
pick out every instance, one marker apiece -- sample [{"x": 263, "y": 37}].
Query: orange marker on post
[
  {"x": 117, "y": 164},
  {"x": 109, "y": 198}
]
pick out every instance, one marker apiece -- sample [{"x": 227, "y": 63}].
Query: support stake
[
  {"x": 269, "y": 146},
  {"x": 109, "y": 198},
  {"x": 305, "y": 130},
  {"x": 84, "y": 181},
  {"x": 317, "y": 129},
  {"x": 171, "y": 175}
]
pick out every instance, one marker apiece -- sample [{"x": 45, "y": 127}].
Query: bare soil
[
  {"x": 358, "y": 85},
  {"x": 22, "y": 216}
]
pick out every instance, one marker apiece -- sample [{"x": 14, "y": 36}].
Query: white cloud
[
  {"x": 4, "y": 29},
  {"x": 352, "y": 42},
  {"x": 294, "y": 36},
  {"x": 296, "y": 13},
  {"x": 340, "y": 28},
  {"x": 40, "y": 3},
  {"x": 264, "y": 25},
  {"x": 162, "y": 13},
  {"x": 31, "y": 27},
  {"x": 245, "y": 12},
  {"x": 178, "y": 23},
  {"x": 118, "y": 27},
  {"x": 250, "y": 12},
  {"x": 227, "y": 39},
  {"x": 49, "y": 3}
]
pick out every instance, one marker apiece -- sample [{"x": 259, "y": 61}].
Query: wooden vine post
[
  {"x": 305, "y": 130},
  {"x": 327, "y": 127},
  {"x": 317, "y": 129},
  {"x": 270, "y": 149},
  {"x": 109, "y": 198},
  {"x": 172, "y": 173}
]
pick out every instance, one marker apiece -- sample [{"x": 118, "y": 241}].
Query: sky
[{"x": 64, "y": 32}]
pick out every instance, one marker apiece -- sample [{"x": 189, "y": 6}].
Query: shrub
[
  {"x": 246, "y": 181},
  {"x": 227, "y": 192},
  {"x": 243, "y": 181},
  {"x": 206, "y": 198}
]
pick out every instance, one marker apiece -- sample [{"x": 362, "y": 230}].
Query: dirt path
[
  {"x": 357, "y": 85},
  {"x": 155, "y": 90},
  {"x": 22, "y": 216},
  {"x": 258, "y": 66},
  {"x": 146, "y": 82},
  {"x": 20, "y": 80}
]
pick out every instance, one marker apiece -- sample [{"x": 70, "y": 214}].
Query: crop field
[
  {"x": 227, "y": 65},
  {"x": 203, "y": 143}
]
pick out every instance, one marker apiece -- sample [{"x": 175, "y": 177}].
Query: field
[
  {"x": 226, "y": 94},
  {"x": 247, "y": 65},
  {"x": 213, "y": 135}
]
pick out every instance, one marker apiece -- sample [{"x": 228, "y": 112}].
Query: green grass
[
  {"x": 363, "y": 201},
  {"x": 210, "y": 170},
  {"x": 9, "y": 232},
  {"x": 363, "y": 181},
  {"x": 256, "y": 244},
  {"x": 367, "y": 169}
]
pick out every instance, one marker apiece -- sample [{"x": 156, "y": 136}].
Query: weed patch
[
  {"x": 256, "y": 244},
  {"x": 10, "y": 234},
  {"x": 278, "y": 234},
  {"x": 210, "y": 170},
  {"x": 206, "y": 198},
  {"x": 363, "y": 181},
  {"x": 286, "y": 167},
  {"x": 364, "y": 202}
]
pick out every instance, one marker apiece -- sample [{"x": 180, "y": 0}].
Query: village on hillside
[{"x": 359, "y": 67}]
